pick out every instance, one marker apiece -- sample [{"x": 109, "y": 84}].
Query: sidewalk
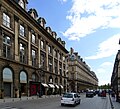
[
  {"x": 5, "y": 100},
  {"x": 116, "y": 105}
]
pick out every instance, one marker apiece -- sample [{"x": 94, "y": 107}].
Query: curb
[{"x": 6, "y": 100}]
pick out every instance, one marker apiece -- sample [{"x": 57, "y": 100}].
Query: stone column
[
  {"x": 47, "y": 56},
  {"x": 16, "y": 38},
  {"x": 29, "y": 48}
]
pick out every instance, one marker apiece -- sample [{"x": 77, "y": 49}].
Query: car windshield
[{"x": 68, "y": 95}]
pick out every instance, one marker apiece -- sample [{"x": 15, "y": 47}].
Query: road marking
[{"x": 9, "y": 108}]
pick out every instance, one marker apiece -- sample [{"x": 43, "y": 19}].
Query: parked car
[
  {"x": 89, "y": 94},
  {"x": 70, "y": 99},
  {"x": 100, "y": 93},
  {"x": 103, "y": 94}
]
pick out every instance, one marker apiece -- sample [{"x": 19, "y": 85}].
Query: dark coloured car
[{"x": 90, "y": 94}]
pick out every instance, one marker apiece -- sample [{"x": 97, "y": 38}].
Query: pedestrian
[{"x": 113, "y": 95}]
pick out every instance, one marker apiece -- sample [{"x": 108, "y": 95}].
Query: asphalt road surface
[{"x": 54, "y": 103}]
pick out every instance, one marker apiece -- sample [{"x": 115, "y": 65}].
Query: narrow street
[{"x": 54, "y": 103}]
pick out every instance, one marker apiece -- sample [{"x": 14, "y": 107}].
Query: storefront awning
[
  {"x": 57, "y": 86},
  {"x": 51, "y": 85},
  {"x": 61, "y": 86},
  {"x": 45, "y": 85}
]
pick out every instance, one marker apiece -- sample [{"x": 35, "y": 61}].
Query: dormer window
[
  {"x": 42, "y": 22},
  {"x": 22, "y": 4},
  {"x": 33, "y": 13},
  {"x": 48, "y": 29}
]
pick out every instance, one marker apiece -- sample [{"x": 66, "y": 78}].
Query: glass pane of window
[
  {"x": 22, "y": 53},
  {"x": 4, "y": 50},
  {"x": 33, "y": 57},
  {"x": 22, "y": 30},
  {"x": 49, "y": 49},
  {"x": 33, "y": 53},
  {"x": 42, "y": 45},
  {"x": 6, "y": 20},
  {"x": 6, "y": 46},
  {"x": 33, "y": 38}
]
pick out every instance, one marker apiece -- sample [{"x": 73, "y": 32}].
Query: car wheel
[
  {"x": 62, "y": 104},
  {"x": 74, "y": 103},
  {"x": 79, "y": 102}
]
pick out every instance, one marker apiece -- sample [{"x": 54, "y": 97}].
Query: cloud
[
  {"x": 86, "y": 16},
  {"x": 104, "y": 73},
  {"x": 107, "y": 48},
  {"x": 62, "y": 1}
]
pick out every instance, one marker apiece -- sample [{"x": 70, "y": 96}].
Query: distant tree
[{"x": 104, "y": 86}]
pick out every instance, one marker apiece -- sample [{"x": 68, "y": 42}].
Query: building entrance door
[{"x": 7, "y": 89}]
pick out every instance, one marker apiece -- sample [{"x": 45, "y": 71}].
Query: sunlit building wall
[{"x": 30, "y": 53}]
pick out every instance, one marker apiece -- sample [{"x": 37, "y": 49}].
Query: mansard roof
[
  {"x": 34, "y": 11},
  {"x": 23, "y": 0}
]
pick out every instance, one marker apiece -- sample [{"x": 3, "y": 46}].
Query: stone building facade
[
  {"x": 32, "y": 58},
  {"x": 115, "y": 78},
  {"x": 80, "y": 77}
]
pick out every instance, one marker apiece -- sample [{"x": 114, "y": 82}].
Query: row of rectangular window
[
  {"x": 7, "y": 53},
  {"x": 6, "y": 22}
]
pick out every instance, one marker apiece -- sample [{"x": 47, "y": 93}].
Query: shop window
[
  {"x": 7, "y": 75},
  {"x": 23, "y": 77}
]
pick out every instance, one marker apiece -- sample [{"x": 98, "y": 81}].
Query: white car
[{"x": 70, "y": 98}]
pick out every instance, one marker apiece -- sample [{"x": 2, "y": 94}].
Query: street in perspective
[{"x": 53, "y": 102}]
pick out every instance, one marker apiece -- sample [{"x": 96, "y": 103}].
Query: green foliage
[{"x": 105, "y": 86}]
